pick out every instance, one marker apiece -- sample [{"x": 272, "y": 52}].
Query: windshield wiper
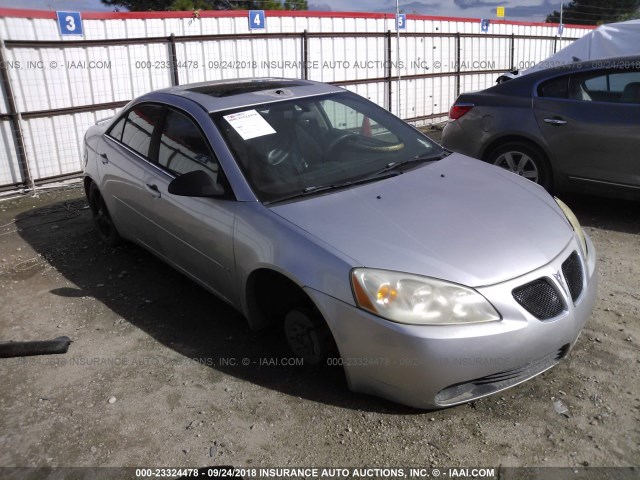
[
  {"x": 417, "y": 159},
  {"x": 388, "y": 170},
  {"x": 323, "y": 188}
]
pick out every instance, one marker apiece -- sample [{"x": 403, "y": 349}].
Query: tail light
[{"x": 458, "y": 110}]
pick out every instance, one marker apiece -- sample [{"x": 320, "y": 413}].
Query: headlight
[
  {"x": 575, "y": 224},
  {"x": 416, "y": 300}
]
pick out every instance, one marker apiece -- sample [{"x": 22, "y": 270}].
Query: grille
[
  {"x": 572, "y": 271},
  {"x": 539, "y": 298}
]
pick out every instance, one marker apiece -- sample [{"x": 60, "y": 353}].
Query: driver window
[{"x": 183, "y": 148}]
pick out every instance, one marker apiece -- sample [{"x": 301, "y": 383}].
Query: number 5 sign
[
  {"x": 256, "y": 19},
  {"x": 70, "y": 23}
]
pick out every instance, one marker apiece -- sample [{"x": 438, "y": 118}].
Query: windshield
[{"x": 304, "y": 145}]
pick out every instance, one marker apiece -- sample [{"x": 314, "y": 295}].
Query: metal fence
[{"x": 53, "y": 90}]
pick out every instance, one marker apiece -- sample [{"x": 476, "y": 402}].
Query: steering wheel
[
  {"x": 277, "y": 156},
  {"x": 339, "y": 139}
]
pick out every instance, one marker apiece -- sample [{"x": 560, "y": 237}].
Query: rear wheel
[
  {"x": 524, "y": 160},
  {"x": 308, "y": 335},
  {"x": 104, "y": 224}
]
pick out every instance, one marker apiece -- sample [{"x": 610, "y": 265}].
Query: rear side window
[
  {"x": 554, "y": 88},
  {"x": 183, "y": 148},
  {"x": 139, "y": 126},
  {"x": 616, "y": 85},
  {"x": 612, "y": 86}
]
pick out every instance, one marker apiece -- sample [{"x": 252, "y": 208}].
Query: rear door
[
  {"x": 125, "y": 162},
  {"x": 591, "y": 122}
]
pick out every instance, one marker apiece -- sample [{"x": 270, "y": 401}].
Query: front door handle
[
  {"x": 104, "y": 158},
  {"x": 153, "y": 190},
  {"x": 555, "y": 121}
]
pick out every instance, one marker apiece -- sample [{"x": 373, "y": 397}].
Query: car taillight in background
[{"x": 459, "y": 109}]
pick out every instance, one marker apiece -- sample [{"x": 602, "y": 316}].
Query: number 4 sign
[
  {"x": 70, "y": 23},
  {"x": 256, "y": 19}
]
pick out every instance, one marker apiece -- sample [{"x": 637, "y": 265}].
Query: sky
[{"x": 527, "y": 10}]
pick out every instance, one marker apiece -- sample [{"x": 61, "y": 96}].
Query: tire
[
  {"x": 102, "y": 218},
  {"x": 308, "y": 335},
  {"x": 524, "y": 160}
]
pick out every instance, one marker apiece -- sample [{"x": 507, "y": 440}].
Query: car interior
[
  {"x": 612, "y": 87},
  {"x": 615, "y": 87},
  {"x": 315, "y": 143}
]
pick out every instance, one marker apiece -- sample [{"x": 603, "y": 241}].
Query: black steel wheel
[
  {"x": 102, "y": 218},
  {"x": 308, "y": 335}
]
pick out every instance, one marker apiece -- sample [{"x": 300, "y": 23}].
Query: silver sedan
[{"x": 433, "y": 279}]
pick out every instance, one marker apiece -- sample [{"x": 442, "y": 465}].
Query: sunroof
[{"x": 230, "y": 89}]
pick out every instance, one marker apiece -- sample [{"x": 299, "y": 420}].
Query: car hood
[{"x": 457, "y": 219}]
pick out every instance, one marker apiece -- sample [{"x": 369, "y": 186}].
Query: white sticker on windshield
[{"x": 249, "y": 124}]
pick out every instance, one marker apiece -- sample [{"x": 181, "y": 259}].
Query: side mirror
[{"x": 195, "y": 184}]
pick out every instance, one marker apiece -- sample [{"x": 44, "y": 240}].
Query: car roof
[
  {"x": 220, "y": 95},
  {"x": 522, "y": 85}
]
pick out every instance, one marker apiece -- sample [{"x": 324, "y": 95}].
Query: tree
[
  {"x": 161, "y": 5},
  {"x": 630, "y": 16},
  {"x": 296, "y": 5},
  {"x": 139, "y": 5},
  {"x": 595, "y": 12}
]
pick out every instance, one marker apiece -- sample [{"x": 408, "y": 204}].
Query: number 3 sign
[{"x": 70, "y": 23}]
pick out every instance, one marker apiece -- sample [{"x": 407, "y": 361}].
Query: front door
[{"x": 196, "y": 234}]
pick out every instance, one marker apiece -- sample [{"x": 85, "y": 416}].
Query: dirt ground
[{"x": 149, "y": 379}]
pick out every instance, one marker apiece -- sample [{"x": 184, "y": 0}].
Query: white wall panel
[
  {"x": 23, "y": 29},
  {"x": 9, "y": 169},
  {"x": 63, "y": 77},
  {"x": 54, "y": 144}
]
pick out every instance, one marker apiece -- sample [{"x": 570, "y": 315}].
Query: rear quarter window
[
  {"x": 554, "y": 88},
  {"x": 118, "y": 127}
]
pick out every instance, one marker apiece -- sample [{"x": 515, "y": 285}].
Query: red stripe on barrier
[{"x": 49, "y": 14}]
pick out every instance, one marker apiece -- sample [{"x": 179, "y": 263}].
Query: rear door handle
[
  {"x": 555, "y": 121},
  {"x": 153, "y": 190},
  {"x": 104, "y": 158}
]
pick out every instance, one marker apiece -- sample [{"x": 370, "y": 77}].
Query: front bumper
[{"x": 440, "y": 366}]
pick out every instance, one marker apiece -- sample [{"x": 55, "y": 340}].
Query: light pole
[
  {"x": 398, "y": 57},
  {"x": 561, "y": 26}
]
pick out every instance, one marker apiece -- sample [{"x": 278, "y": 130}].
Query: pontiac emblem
[{"x": 560, "y": 278}]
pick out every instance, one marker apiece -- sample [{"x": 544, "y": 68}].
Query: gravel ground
[{"x": 149, "y": 379}]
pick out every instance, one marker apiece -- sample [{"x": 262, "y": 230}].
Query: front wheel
[
  {"x": 308, "y": 335},
  {"x": 523, "y": 160}
]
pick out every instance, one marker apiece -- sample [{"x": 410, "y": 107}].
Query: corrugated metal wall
[{"x": 61, "y": 86}]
